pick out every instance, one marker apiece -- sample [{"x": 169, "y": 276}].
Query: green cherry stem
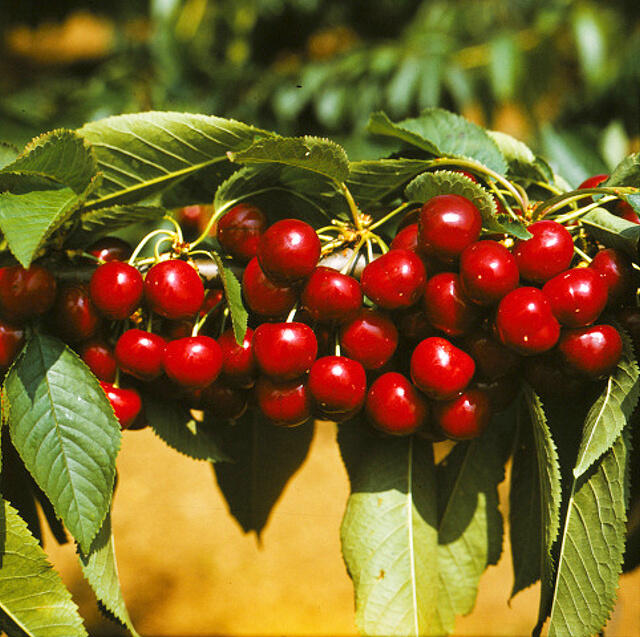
[
  {"x": 146, "y": 239},
  {"x": 355, "y": 213},
  {"x": 581, "y": 254},
  {"x": 176, "y": 225},
  {"x": 556, "y": 203},
  {"x": 579, "y": 212},
  {"x": 389, "y": 216}
]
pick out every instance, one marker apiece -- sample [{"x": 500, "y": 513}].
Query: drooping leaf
[
  {"x": 105, "y": 220},
  {"x": 33, "y": 599},
  {"x": 8, "y": 152},
  {"x": 626, "y": 173},
  {"x": 521, "y": 160},
  {"x": 233, "y": 295},
  {"x": 64, "y": 428},
  {"x": 613, "y": 231},
  {"x": 264, "y": 458}
]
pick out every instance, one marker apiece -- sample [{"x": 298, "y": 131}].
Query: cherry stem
[
  {"x": 581, "y": 254},
  {"x": 116, "y": 380},
  {"x": 381, "y": 244},
  {"x": 556, "y": 203},
  {"x": 389, "y": 216},
  {"x": 369, "y": 251},
  {"x": 579, "y": 212},
  {"x": 176, "y": 225},
  {"x": 355, "y": 213},
  {"x": 146, "y": 240},
  {"x": 291, "y": 314},
  {"x": 500, "y": 195},
  {"x": 156, "y": 247},
  {"x": 353, "y": 258},
  {"x": 150, "y": 322}
]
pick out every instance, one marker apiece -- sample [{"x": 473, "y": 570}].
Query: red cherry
[
  {"x": 464, "y": 417},
  {"x": 194, "y": 361},
  {"x": 212, "y": 299},
  {"x": 140, "y": 354},
  {"x": 593, "y": 351},
  {"x": 240, "y": 229},
  {"x": 414, "y": 325},
  {"x": 369, "y": 338},
  {"x": 116, "y": 289},
  {"x": 493, "y": 360},
  {"x": 174, "y": 289},
  {"x": 288, "y": 251},
  {"x": 284, "y": 351},
  {"x": 394, "y": 280},
  {"x": 330, "y": 296},
  {"x": 501, "y": 392},
  {"x": 440, "y": 369},
  {"x": 593, "y": 182},
  {"x": 286, "y": 404},
  {"x": 74, "y": 313},
  {"x": 488, "y": 271},
  {"x": 546, "y": 254},
  {"x": 624, "y": 210},
  {"x": 447, "y": 225},
  {"x": 447, "y": 306},
  {"x": 126, "y": 403},
  {"x": 577, "y": 296},
  {"x": 110, "y": 249},
  {"x": 223, "y": 400},
  {"x": 238, "y": 361},
  {"x": 264, "y": 297},
  {"x": 406, "y": 239},
  {"x": 550, "y": 379},
  {"x": 525, "y": 322},
  {"x": 11, "y": 341},
  {"x": 99, "y": 357},
  {"x": 193, "y": 218},
  {"x": 616, "y": 270},
  {"x": 25, "y": 293},
  {"x": 338, "y": 385},
  {"x": 394, "y": 406}
]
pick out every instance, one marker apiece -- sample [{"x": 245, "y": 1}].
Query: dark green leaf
[
  {"x": 233, "y": 295},
  {"x": 613, "y": 231},
  {"x": 626, "y": 173},
  {"x": 105, "y": 220},
  {"x": 633, "y": 201}
]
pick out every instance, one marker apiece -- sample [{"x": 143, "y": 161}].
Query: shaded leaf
[
  {"x": 520, "y": 158},
  {"x": 613, "y": 231},
  {"x": 233, "y": 295},
  {"x": 8, "y": 152},
  {"x": 626, "y": 173},
  {"x": 107, "y": 220}
]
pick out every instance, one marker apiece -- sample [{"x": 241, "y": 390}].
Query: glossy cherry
[
  {"x": 464, "y": 417},
  {"x": 447, "y": 306},
  {"x": 525, "y": 321},
  {"x": 338, "y": 385},
  {"x": 286, "y": 404},
  {"x": 447, "y": 225},
  {"x": 173, "y": 289},
  {"x": 140, "y": 354},
  {"x": 110, "y": 249},
  {"x": 577, "y": 296},
  {"x": 223, "y": 400},
  {"x": 126, "y": 403},
  {"x": 100, "y": 359},
  {"x": 288, "y": 251},
  {"x": 240, "y": 229},
  {"x": 593, "y": 182},
  {"x": 394, "y": 280},
  {"x": 284, "y": 351},
  {"x": 493, "y": 359},
  {"x": 330, "y": 296},
  {"x": 624, "y": 210},
  {"x": 25, "y": 293},
  {"x": 440, "y": 369},
  {"x": 406, "y": 238},
  {"x": 238, "y": 361},
  {"x": 74, "y": 314},
  {"x": 546, "y": 254},
  {"x": 593, "y": 351},
  {"x": 394, "y": 406},
  {"x": 193, "y": 219},
  {"x": 370, "y": 338},
  {"x": 194, "y": 361},
  {"x": 262, "y": 295},
  {"x": 12, "y": 339},
  {"x": 616, "y": 270},
  {"x": 116, "y": 289}
]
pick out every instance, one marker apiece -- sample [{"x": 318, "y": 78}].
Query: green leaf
[
  {"x": 105, "y": 220},
  {"x": 505, "y": 65},
  {"x": 626, "y": 173},
  {"x": 265, "y": 458},
  {"x": 8, "y": 152},
  {"x": 389, "y": 538},
  {"x": 611, "y": 411},
  {"x": 592, "y": 546},
  {"x": 520, "y": 158},
  {"x": 613, "y": 231},
  {"x": 101, "y": 571},
  {"x": 33, "y": 599},
  {"x": 233, "y": 295},
  {"x": 64, "y": 428},
  {"x": 380, "y": 124}
]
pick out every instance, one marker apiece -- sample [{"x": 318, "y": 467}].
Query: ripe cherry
[
  {"x": 370, "y": 338},
  {"x": 406, "y": 239},
  {"x": 464, "y": 417},
  {"x": 110, "y": 249},
  {"x": 193, "y": 219},
  {"x": 284, "y": 351},
  {"x": 624, "y": 210},
  {"x": 194, "y": 361},
  {"x": 338, "y": 385},
  {"x": 116, "y": 289},
  {"x": 288, "y": 251},
  {"x": 394, "y": 406},
  {"x": 74, "y": 314},
  {"x": 616, "y": 270},
  {"x": 488, "y": 271},
  {"x": 414, "y": 325},
  {"x": 240, "y": 229},
  {"x": 493, "y": 360},
  {"x": 501, "y": 392},
  {"x": 140, "y": 354},
  {"x": 174, "y": 289},
  {"x": 394, "y": 280},
  {"x": 593, "y": 351},
  {"x": 447, "y": 225},
  {"x": 25, "y": 293},
  {"x": 126, "y": 403},
  {"x": 546, "y": 254},
  {"x": 286, "y": 404},
  {"x": 440, "y": 369},
  {"x": 330, "y": 296},
  {"x": 577, "y": 296},
  {"x": 550, "y": 379},
  {"x": 447, "y": 306},
  {"x": 11, "y": 341},
  {"x": 238, "y": 361},
  {"x": 213, "y": 302},
  {"x": 224, "y": 401},
  {"x": 593, "y": 182},
  {"x": 100, "y": 359},
  {"x": 525, "y": 322},
  {"x": 262, "y": 295}
]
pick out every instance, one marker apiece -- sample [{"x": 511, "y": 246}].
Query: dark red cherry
[
  {"x": 501, "y": 392},
  {"x": 74, "y": 314},
  {"x": 110, "y": 249},
  {"x": 440, "y": 369},
  {"x": 394, "y": 280},
  {"x": 629, "y": 318},
  {"x": 100, "y": 359},
  {"x": 616, "y": 270},
  {"x": 464, "y": 417},
  {"x": 116, "y": 289},
  {"x": 193, "y": 219},
  {"x": 394, "y": 406},
  {"x": 140, "y": 354},
  {"x": 11, "y": 341},
  {"x": 370, "y": 338},
  {"x": 126, "y": 403},
  {"x": 624, "y": 210},
  {"x": 414, "y": 325},
  {"x": 263, "y": 296},
  {"x": 284, "y": 351},
  {"x": 593, "y": 351},
  {"x": 406, "y": 239},
  {"x": 525, "y": 322},
  {"x": 493, "y": 360},
  {"x": 25, "y": 293},
  {"x": 238, "y": 362},
  {"x": 240, "y": 229},
  {"x": 447, "y": 306},
  {"x": 286, "y": 404},
  {"x": 552, "y": 380},
  {"x": 213, "y": 302},
  {"x": 194, "y": 361},
  {"x": 330, "y": 296},
  {"x": 224, "y": 401},
  {"x": 174, "y": 289},
  {"x": 546, "y": 254},
  {"x": 593, "y": 182},
  {"x": 488, "y": 271},
  {"x": 338, "y": 385},
  {"x": 288, "y": 251},
  {"x": 577, "y": 296},
  {"x": 447, "y": 225}
]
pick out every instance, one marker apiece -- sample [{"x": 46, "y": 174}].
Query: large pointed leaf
[
  {"x": 613, "y": 231},
  {"x": 626, "y": 173},
  {"x": 233, "y": 295},
  {"x": 520, "y": 158},
  {"x": 389, "y": 537},
  {"x": 106, "y": 220},
  {"x": 33, "y": 599},
  {"x": 65, "y": 430}
]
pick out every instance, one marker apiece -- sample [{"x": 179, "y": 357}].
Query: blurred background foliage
[{"x": 564, "y": 75}]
